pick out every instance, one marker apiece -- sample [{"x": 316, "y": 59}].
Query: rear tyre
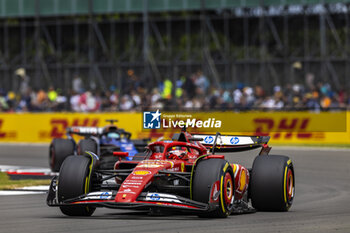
[
  {"x": 209, "y": 173},
  {"x": 87, "y": 145},
  {"x": 73, "y": 181},
  {"x": 272, "y": 183},
  {"x": 59, "y": 150}
]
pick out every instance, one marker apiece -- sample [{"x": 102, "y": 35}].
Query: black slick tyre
[
  {"x": 87, "y": 145},
  {"x": 73, "y": 181},
  {"x": 59, "y": 150},
  {"x": 272, "y": 185},
  {"x": 214, "y": 174}
]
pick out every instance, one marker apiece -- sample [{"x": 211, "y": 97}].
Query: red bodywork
[{"x": 145, "y": 170}]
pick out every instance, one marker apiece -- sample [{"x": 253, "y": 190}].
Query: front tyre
[
  {"x": 73, "y": 181},
  {"x": 272, "y": 183},
  {"x": 211, "y": 177},
  {"x": 58, "y": 151},
  {"x": 87, "y": 145}
]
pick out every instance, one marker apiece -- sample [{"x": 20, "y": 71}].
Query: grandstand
[{"x": 255, "y": 42}]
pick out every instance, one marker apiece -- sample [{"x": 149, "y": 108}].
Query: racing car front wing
[{"x": 145, "y": 201}]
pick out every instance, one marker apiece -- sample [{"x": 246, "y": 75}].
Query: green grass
[{"x": 7, "y": 183}]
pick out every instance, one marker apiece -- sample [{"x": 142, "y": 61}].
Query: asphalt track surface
[{"x": 321, "y": 204}]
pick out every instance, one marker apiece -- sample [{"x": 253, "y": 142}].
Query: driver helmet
[
  {"x": 178, "y": 151},
  {"x": 113, "y": 135}
]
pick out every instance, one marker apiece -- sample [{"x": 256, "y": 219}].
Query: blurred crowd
[{"x": 187, "y": 93}]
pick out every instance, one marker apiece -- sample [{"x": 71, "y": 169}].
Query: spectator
[
  {"x": 126, "y": 103},
  {"x": 167, "y": 89},
  {"x": 24, "y": 84},
  {"x": 77, "y": 84},
  {"x": 191, "y": 93},
  {"x": 3, "y": 101},
  {"x": 52, "y": 94},
  {"x": 189, "y": 86},
  {"x": 201, "y": 82},
  {"x": 155, "y": 96},
  {"x": 237, "y": 95},
  {"x": 114, "y": 100},
  {"x": 136, "y": 98},
  {"x": 11, "y": 100},
  {"x": 61, "y": 101},
  {"x": 74, "y": 102},
  {"x": 88, "y": 102}
]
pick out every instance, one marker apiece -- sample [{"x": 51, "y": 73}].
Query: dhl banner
[{"x": 283, "y": 127}]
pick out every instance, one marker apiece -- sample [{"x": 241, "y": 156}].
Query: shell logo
[{"x": 141, "y": 173}]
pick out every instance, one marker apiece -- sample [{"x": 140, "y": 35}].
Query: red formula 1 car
[{"x": 181, "y": 175}]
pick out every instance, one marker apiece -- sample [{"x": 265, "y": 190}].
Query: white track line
[
  {"x": 41, "y": 189},
  {"x": 26, "y": 170},
  {"x": 11, "y": 193},
  {"x": 14, "y": 167},
  {"x": 28, "y": 189}
]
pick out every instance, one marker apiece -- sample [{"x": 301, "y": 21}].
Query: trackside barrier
[{"x": 283, "y": 127}]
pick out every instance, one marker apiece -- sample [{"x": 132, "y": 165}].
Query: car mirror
[{"x": 121, "y": 154}]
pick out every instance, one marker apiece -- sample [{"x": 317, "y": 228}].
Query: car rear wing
[
  {"x": 230, "y": 143},
  {"x": 87, "y": 131},
  {"x": 84, "y": 131},
  {"x": 95, "y": 131}
]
